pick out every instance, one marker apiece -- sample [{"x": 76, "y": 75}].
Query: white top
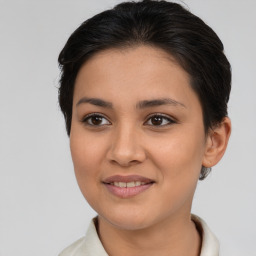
[{"x": 90, "y": 244}]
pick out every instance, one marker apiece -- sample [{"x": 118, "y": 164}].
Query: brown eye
[
  {"x": 96, "y": 120},
  {"x": 156, "y": 120},
  {"x": 159, "y": 120}
]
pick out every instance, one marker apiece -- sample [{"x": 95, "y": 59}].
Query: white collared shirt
[{"x": 90, "y": 244}]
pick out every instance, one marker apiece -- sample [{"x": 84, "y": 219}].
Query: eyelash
[
  {"x": 86, "y": 119},
  {"x": 164, "y": 117},
  {"x": 169, "y": 120}
]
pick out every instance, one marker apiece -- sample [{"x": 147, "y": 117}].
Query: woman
[{"x": 144, "y": 91}]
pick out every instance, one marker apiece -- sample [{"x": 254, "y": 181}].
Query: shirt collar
[
  {"x": 210, "y": 244},
  {"x": 90, "y": 245}
]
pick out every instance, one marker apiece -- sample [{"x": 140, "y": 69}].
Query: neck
[{"x": 176, "y": 236}]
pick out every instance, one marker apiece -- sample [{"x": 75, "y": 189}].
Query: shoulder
[
  {"x": 73, "y": 248},
  {"x": 89, "y": 245},
  {"x": 210, "y": 244}
]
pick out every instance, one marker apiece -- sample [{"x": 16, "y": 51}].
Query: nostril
[
  {"x": 124, "y": 163},
  {"x": 126, "y": 151}
]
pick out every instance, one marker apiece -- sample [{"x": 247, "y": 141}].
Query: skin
[{"x": 126, "y": 142}]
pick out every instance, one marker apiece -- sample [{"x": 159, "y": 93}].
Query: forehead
[{"x": 136, "y": 73}]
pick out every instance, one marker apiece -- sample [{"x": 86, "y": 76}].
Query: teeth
[
  {"x": 137, "y": 183},
  {"x": 128, "y": 184},
  {"x": 122, "y": 184}
]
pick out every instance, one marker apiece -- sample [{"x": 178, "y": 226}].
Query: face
[{"x": 137, "y": 137}]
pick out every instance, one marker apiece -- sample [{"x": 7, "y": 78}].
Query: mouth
[
  {"x": 131, "y": 184},
  {"x": 127, "y": 186}
]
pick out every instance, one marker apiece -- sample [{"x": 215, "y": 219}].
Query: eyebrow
[
  {"x": 140, "y": 105},
  {"x": 96, "y": 102},
  {"x": 158, "y": 102}
]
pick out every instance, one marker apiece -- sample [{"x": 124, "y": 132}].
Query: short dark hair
[{"x": 165, "y": 25}]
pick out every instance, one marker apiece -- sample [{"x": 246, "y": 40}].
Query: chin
[
  {"x": 130, "y": 224},
  {"x": 128, "y": 220}
]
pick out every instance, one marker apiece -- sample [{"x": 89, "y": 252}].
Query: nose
[{"x": 126, "y": 149}]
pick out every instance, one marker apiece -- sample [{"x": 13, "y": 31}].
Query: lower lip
[{"x": 127, "y": 192}]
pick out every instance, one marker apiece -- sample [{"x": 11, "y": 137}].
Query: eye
[
  {"x": 159, "y": 120},
  {"x": 95, "y": 120}
]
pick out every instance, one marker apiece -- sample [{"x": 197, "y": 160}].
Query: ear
[{"x": 216, "y": 143}]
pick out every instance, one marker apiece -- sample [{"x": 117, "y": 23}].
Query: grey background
[{"x": 41, "y": 208}]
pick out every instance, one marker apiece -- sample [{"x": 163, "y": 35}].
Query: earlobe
[{"x": 216, "y": 143}]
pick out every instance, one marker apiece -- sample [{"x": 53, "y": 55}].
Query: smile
[{"x": 127, "y": 186}]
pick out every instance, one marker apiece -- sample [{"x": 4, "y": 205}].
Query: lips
[
  {"x": 130, "y": 184},
  {"x": 127, "y": 186},
  {"x": 129, "y": 178}
]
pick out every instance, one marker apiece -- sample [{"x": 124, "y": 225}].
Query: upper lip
[{"x": 126, "y": 179}]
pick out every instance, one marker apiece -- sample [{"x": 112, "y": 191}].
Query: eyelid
[
  {"x": 86, "y": 117},
  {"x": 169, "y": 118}
]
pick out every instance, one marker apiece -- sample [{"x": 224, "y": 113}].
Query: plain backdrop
[{"x": 41, "y": 208}]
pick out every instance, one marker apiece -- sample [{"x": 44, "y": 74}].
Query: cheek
[
  {"x": 180, "y": 155},
  {"x": 87, "y": 156},
  {"x": 179, "y": 160}
]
